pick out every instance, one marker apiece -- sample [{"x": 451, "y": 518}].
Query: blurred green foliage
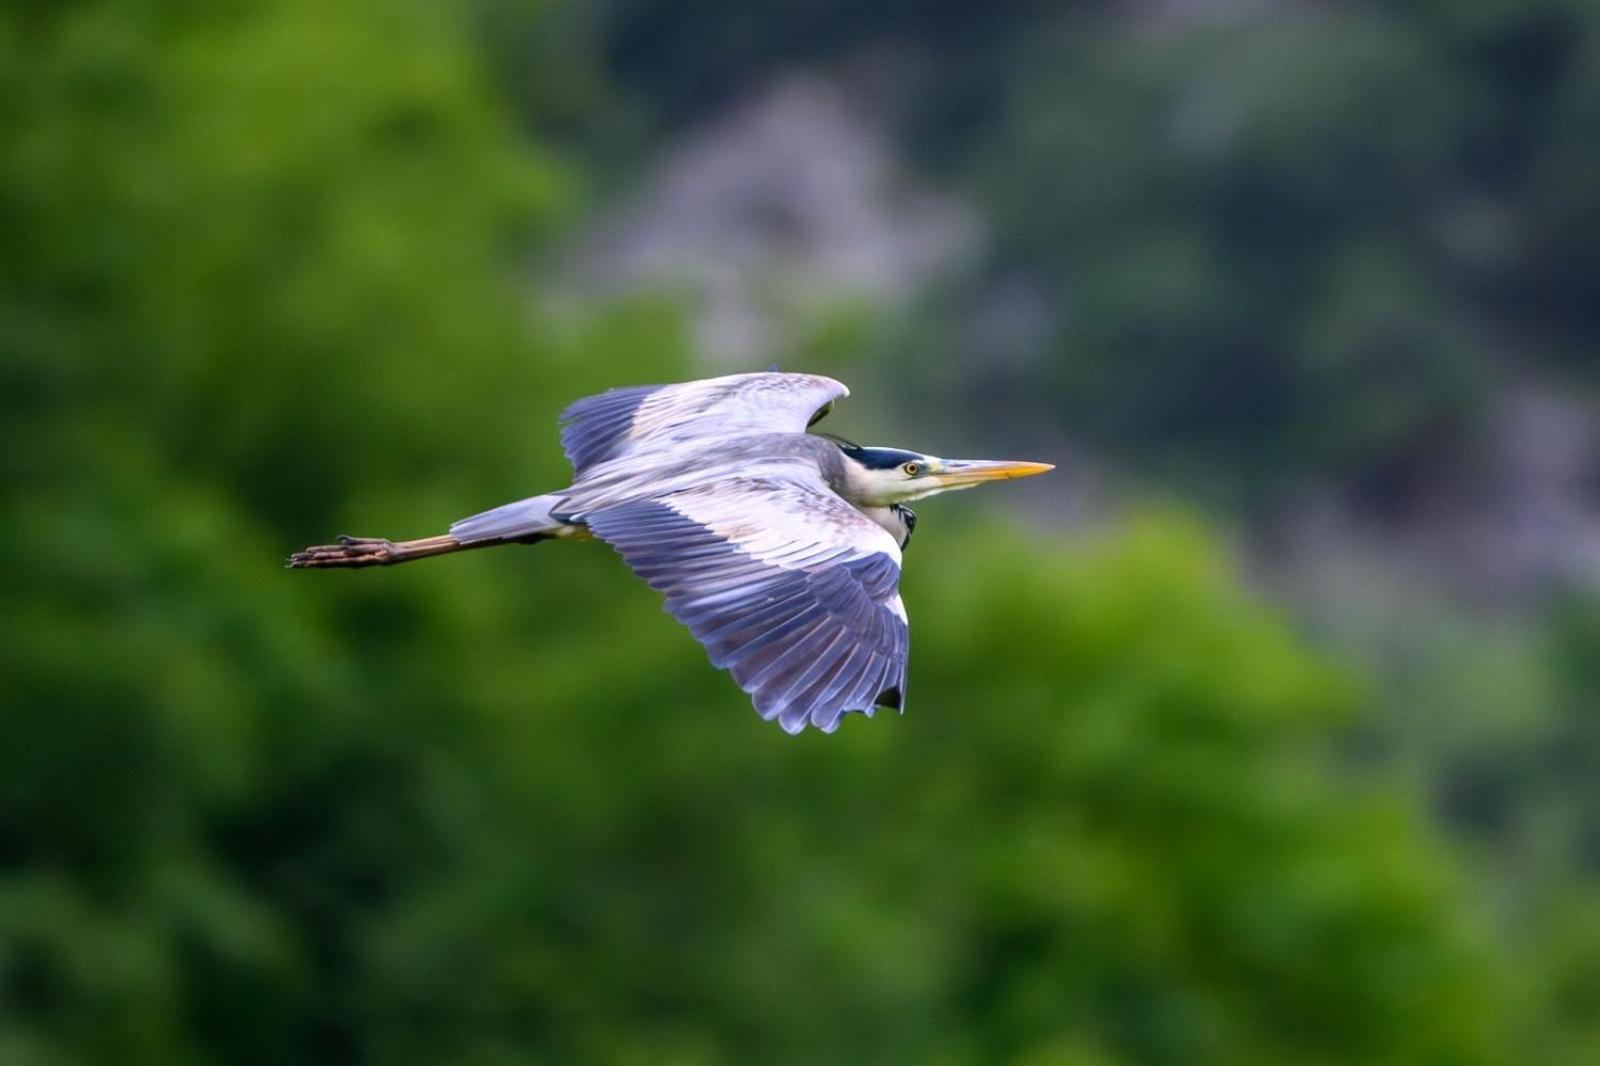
[
  {"x": 1267, "y": 243},
  {"x": 262, "y": 281},
  {"x": 1305, "y": 245}
]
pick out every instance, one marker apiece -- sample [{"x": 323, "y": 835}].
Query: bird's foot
[{"x": 350, "y": 551}]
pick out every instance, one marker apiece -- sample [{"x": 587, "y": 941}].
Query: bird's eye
[{"x": 912, "y": 469}]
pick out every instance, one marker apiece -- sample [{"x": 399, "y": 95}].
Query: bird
[{"x": 779, "y": 548}]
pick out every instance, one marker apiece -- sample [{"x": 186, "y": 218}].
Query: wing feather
[
  {"x": 599, "y": 428},
  {"x": 788, "y": 587}
]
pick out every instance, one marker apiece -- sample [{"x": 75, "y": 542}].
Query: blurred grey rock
[{"x": 788, "y": 206}]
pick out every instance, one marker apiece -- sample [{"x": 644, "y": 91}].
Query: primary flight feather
[{"x": 780, "y": 550}]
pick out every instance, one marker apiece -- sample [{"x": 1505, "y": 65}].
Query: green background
[{"x": 265, "y": 276}]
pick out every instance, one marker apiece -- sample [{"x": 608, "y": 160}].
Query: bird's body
[{"x": 780, "y": 550}]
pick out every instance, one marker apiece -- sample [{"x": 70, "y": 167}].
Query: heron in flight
[{"x": 779, "y": 549}]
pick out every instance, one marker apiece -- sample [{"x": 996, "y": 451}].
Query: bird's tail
[{"x": 509, "y": 522}]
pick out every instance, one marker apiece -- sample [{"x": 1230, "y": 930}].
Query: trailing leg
[{"x": 376, "y": 551}]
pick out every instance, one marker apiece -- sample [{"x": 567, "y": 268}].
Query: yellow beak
[{"x": 962, "y": 473}]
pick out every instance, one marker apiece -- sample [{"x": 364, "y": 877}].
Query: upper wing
[
  {"x": 786, "y": 585},
  {"x": 603, "y": 427}
]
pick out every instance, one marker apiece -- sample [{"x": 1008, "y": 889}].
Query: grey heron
[{"x": 779, "y": 549}]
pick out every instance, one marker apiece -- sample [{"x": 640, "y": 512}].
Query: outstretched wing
[
  {"x": 787, "y": 586},
  {"x": 603, "y": 427}
]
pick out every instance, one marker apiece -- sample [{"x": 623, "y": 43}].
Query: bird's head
[{"x": 880, "y": 477}]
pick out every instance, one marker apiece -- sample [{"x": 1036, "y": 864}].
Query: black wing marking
[{"x": 594, "y": 428}]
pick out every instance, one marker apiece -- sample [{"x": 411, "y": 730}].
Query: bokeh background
[{"x": 1265, "y": 730}]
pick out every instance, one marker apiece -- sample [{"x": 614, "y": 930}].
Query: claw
[
  {"x": 350, "y": 551},
  {"x": 362, "y": 552}
]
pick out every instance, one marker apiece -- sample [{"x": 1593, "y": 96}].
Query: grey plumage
[
  {"x": 509, "y": 521},
  {"x": 779, "y": 550},
  {"x": 810, "y": 634}
]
